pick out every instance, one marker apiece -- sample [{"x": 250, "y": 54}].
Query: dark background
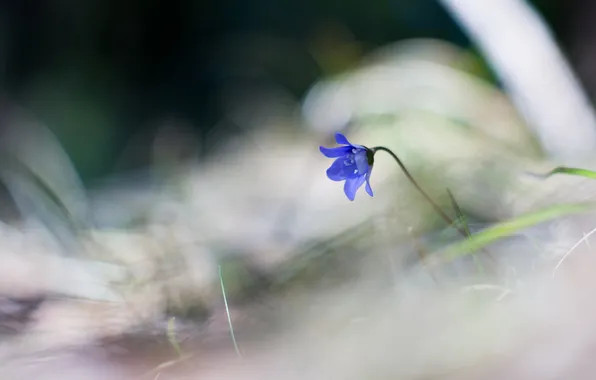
[{"x": 99, "y": 72}]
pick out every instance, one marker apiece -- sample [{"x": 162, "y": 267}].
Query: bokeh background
[
  {"x": 103, "y": 75},
  {"x": 163, "y": 197}
]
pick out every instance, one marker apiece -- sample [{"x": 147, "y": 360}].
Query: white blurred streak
[
  {"x": 30, "y": 262},
  {"x": 37, "y": 151},
  {"x": 523, "y": 53}
]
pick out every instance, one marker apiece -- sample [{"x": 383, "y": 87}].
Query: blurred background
[
  {"x": 163, "y": 197},
  {"x": 104, "y": 75}
]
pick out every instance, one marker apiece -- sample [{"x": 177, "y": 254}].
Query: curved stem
[{"x": 438, "y": 209}]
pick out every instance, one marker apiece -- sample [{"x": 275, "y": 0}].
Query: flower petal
[
  {"x": 336, "y": 171},
  {"x": 368, "y": 188},
  {"x": 352, "y": 185},
  {"x": 334, "y": 152},
  {"x": 341, "y": 139},
  {"x": 361, "y": 162}
]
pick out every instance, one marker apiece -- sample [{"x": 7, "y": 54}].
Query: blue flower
[{"x": 353, "y": 165}]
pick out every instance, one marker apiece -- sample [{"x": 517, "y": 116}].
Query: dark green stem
[{"x": 438, "y": 209}]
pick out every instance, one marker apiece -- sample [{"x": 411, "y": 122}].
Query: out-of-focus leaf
[{"x": 40, "y": 177}]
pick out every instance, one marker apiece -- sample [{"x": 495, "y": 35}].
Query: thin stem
[
  {"x": 223, "y": 292},
  {"x": 438, "y": 209},
  {"x": 462, "y": 218}
]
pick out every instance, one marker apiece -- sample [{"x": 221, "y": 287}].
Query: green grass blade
[
  {"x": 507, "y": 228},
  {"x": 571, "y": 171}
]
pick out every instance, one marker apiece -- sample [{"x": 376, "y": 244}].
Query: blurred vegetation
[
  {"x": 141, "y": 83},
  {"x": 100, "y": 73}
]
